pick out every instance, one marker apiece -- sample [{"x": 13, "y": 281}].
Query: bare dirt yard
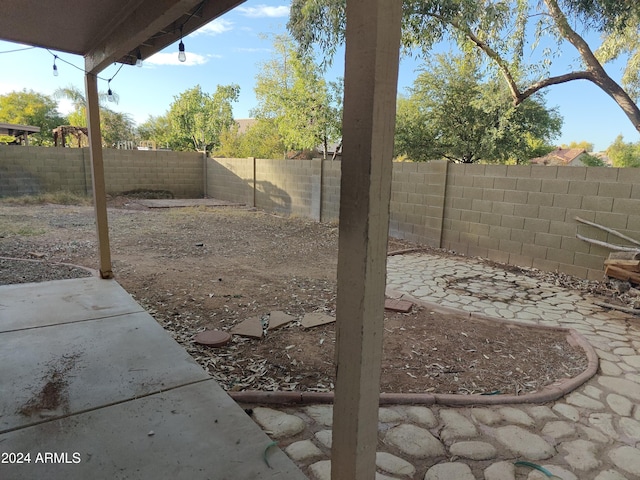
[{"x": 211, "y": 268}]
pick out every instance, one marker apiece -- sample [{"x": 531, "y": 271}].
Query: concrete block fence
[
  {"x": 519, "y": 215},
  {"x": 525, "y": 215},
  {"x": 31, "y": 170}
]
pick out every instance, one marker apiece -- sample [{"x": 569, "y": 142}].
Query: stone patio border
[{"x": 92, "y": 271}]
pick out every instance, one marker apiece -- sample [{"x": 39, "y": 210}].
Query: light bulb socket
[{"x": 181, "y": 55}]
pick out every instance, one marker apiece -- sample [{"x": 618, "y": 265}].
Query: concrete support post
[
  {"x": 371, "y": 75},
  {"x": 97, "y": 174}
]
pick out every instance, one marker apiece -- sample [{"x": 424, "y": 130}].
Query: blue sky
[{"x": 231, "y": 49}]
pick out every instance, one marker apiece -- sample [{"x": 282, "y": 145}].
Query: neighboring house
[
  {"x": 562, "y": 157},
  {"x": 244, "y": 124}
]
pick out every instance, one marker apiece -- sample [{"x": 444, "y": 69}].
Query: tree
[
  {"x": 501, "y": 30},
  {"x": 114, "y": 126},
  {"x": 156, "y": 129},
  {"x": 30, "y": 108},
  {"x": 592, "y": 161},
  {"x": 293, "y": 94},
  {"x": 606, "y": 15},
  {"x": 452, "y": 112},
  {"x": 623, "y": 154},
  {"x": 198, "y": 119},
  {"x": 584, "y": 145},
  {"x": 261, "y": 140}
]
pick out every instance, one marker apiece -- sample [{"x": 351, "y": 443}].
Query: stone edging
[
  {"x": 92, "y": 271},
  {"x": 549, "y": 393}
]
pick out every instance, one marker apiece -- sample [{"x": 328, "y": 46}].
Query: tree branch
[
  {"x": 547, "y": 82},
  {"x": 610, "y": 246},
  {"x": 609, "y": 230},
  {"x": 595, "y": 73}
]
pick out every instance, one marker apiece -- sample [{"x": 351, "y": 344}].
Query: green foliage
[
  {"x": 592, "y": 161},
  {"x": 30, "y": 108},
  {"x": 605, "y": 15},
  {"x": 623, "y": 154},
  {"x": 586, "y": 146},
  {"x": 157, "y": 129},
  {"x": 453, "y": 113},
  {"x": 197, "y": 119},
  {"x": 78, "y": 117},
  {"x": 261, "y": 140},
  {"x": 500, "y": 30},
  {"x": 292, "y": 93},
  {"x": 115, "y": 126}
]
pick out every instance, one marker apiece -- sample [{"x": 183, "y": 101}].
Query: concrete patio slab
[
  {"x": 92, "y": 364},
  {"x": 62, "y": 301},
  {"x": 93, "y": 387},
  {"x": 195, "y": 432}
]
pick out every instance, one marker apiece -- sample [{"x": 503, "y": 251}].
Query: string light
[
  {"x": 138, "y": 58},
  {"x": 110, "y": 95},
  {"x": 55, "y": 67},
  {"x": 181, "y": 55}
]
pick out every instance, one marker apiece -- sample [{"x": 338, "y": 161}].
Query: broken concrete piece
[
  {"x": 251, "y": 327},
  {"x": 316, "y": 319},
  {"x": 279, "y": 319},
  {"x": 397, "y": 305}
]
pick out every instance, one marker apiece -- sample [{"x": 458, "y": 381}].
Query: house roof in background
[
  {"x": 244, "y": 124},
  {"x": 560, "y": 156}
]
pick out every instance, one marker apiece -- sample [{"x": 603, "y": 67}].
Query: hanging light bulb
[
  {"x": 55, "y": 67},
  {"x": 181, "y": 55},
  {"x": 110, "y": 96},
  {"x": 138, "y": 59}
]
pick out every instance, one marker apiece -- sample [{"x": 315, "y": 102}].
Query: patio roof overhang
[
  {"x": 108, "y": 31},
  {"x": 115, "y": 30}
]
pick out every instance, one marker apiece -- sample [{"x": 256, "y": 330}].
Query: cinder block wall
[
  {"x": 417, "y": 201},
  {"x": 519, "y": 215},
  {"x": 289, "y": 187},
  {"x": 181, "y": 173},
  {"x": 331, "y": 173},
  {"x": 32, "y": 170},
  {"x": 231, "y": 179},
  {"x": 525, "y": 215}
]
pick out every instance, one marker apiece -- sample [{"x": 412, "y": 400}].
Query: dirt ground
[{"x": 211, "y": 268}]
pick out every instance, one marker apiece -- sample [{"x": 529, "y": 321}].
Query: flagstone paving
[{"x": 593, "y": 433}]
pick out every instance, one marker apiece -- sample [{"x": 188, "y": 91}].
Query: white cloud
[
  {"x": 215, "y": 27},
  {"x": 260, "y": 11},
  {"x": 171, "y": 58}
]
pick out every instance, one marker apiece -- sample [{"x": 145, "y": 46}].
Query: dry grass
[{"x": 58, "y": 198}]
